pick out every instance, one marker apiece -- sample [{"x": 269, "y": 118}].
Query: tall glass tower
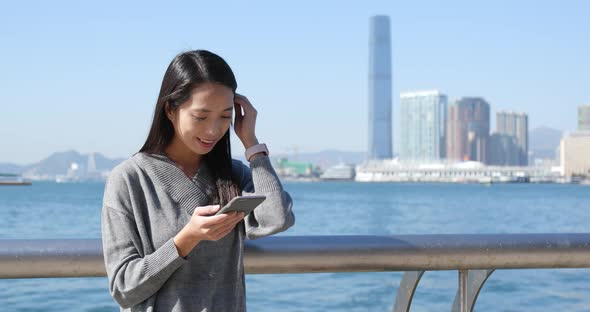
[{"x": 380, "y": 88}]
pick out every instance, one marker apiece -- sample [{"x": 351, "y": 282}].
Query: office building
[
  {"x": 422, "y": 117},
  {"x": 575, "y": 154},
  {"x": 468, "y": 130},
  {"x": 380, "y": 105},
  {"x": 515, "y": 125},
  {"x": 584, "y": 117}
]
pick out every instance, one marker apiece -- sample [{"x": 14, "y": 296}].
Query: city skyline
[{"x": 83, "y": 76}]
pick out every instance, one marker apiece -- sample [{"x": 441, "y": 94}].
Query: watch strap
[{"x": 255, "y": 149}]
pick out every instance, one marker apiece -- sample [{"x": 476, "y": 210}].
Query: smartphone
[{"x": 243, "y": 204}]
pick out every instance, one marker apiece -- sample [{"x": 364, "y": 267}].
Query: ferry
[
  {"x": 13, "y": 179},
  {"x": 340, "y": 172}
]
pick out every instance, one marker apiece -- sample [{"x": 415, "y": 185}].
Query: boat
[
  {"x": 13, "y": 179},
  {"x": 339, "y": 172}
]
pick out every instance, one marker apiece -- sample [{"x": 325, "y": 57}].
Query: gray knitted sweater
[{"x": 147, "y": 201}]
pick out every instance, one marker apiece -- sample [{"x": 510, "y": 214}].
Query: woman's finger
[
  {"x": 222, "y": 231},
  {"x": 213, "y": 221},
  {"x": 238, "y": 111},
  {"x": 226, "y": 222},
  {"x": 206, "y": 210},
  {"x": 230, "y": 217},
  {"x": 245, "y": 102}
]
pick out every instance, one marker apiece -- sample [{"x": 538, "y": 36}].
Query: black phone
[{"x": 245, "y": 204}]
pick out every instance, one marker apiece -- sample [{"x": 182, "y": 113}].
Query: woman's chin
[{"x": 200, "y": 150}]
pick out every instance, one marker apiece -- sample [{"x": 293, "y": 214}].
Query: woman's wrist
[
  {"x": 250, "y": 142},
  {"x": 186, "y": 241}
]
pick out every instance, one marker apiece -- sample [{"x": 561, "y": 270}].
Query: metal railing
[{"x": 475, "y": 257}]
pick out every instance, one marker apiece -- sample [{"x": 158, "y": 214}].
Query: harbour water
[{"x": 51, "y": 210}]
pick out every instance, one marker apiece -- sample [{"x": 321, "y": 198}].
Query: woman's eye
[
  {"x": 199, "y": 118},
  {"x": 226, "y": 117}
]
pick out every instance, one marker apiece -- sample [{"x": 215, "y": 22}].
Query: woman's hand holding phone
[
  {"x": 208, "y": 226},
  {"x": 203, "y": 225}
]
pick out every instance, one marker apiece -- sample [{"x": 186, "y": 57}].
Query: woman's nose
[
  {"x": 214, "y": 130},
  {"x": 212, "y": 133}
]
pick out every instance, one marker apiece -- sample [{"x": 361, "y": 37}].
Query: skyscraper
[
  {"x": 422, "y": 118},
  {"x": 468, "y": 129},
  {"x": 584, "y": 117},
  {"x": 380, "y": 130},
  {"x": 517, "y": 126},
  {"x": 574, "y": 150},
  {"x": 503, "y": 150}
]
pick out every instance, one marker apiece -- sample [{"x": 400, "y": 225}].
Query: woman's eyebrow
[{"x": 204, "y": 110}]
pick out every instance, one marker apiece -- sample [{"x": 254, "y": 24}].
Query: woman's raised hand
[{"x": 245, "y": 122}]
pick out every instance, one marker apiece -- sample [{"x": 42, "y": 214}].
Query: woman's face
[{"x": 202, "y": 121}]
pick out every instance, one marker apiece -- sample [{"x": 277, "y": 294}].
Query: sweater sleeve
[
  {"x": 133, "y": 277},
  {"x": 274, "y": 215}
]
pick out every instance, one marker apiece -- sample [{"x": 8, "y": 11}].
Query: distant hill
[
  {"x": 59, "y": 163},
  {"x": 544, "y": 138},
  {"x": 543, "y": 142},
  {"x": 11, "y": 168}
]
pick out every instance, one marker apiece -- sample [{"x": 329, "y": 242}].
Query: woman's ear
[{"x": 169, "y": 111}]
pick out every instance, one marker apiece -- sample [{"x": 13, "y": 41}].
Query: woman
[{"x": 163, "y": 248}]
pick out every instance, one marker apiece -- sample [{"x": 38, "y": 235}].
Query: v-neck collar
[{"x": 188, "y": 193}]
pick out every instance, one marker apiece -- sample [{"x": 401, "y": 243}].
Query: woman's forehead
[{"x": 212, "y": 97}]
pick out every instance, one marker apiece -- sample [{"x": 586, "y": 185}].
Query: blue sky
[{"x": 83, "y": 76}]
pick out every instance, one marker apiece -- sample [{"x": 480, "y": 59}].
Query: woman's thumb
[{"x": 206, "y": 210}]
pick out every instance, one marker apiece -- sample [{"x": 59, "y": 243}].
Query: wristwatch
[{"x": 255, "y": 149}]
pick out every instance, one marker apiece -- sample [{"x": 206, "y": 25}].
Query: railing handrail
[{"x": 20, "y": 258}]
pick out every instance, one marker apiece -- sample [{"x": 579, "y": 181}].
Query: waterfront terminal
[{"x": 392, "y": 170}]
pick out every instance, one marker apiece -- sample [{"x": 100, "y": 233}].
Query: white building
[
  {"x": 575, "y": 154},
  {"x": 422, "y": 118}
]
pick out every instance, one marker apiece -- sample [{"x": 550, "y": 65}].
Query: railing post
[
  {"x": 475, "y": 281},
  {"x": 406, "y": 290},
  {"x": 463, "y": 290}
]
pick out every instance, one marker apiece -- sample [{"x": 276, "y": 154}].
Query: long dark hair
[{"x": 186, "y": 71}]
